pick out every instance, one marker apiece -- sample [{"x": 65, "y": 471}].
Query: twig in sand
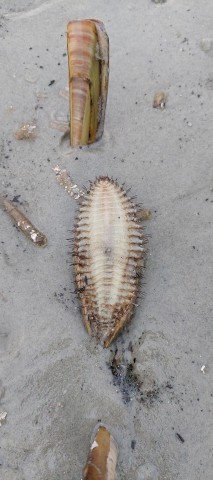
[{"x": 22, "y": 222}]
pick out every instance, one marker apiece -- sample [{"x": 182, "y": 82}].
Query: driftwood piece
[{"x": 23, "y": 223}]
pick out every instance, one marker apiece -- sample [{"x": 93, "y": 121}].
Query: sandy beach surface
[{"x": 153, "y": 386}]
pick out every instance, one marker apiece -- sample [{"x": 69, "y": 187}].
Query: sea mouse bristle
[{"x": 109, "y": 253}]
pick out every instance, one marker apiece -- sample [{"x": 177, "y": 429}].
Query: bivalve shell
[
  {"x": 88, "y": 61},
  {"x": 102, "y": 458}
]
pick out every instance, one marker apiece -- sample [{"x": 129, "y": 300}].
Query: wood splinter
[{"x": 22, "y": 222}]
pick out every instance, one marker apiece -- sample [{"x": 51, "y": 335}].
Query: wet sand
[{"x": 155, "y": 395}]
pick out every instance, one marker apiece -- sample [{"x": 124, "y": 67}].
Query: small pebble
[
  {"x": 3, "y": 416},
  {"x": 209, "y": 83},
  {"x": 159, "y": 100},
  {"x": 206, "y": 45}
]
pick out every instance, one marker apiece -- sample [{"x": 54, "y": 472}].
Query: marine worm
[{"x": 109, "y": 252}]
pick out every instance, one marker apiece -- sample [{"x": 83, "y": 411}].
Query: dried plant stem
[
  {"x": 64, "y": 179},
  {"x": 22, "y": 222}
]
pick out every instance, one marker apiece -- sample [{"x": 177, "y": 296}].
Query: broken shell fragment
[
  {"x": 64, "y": 179},
  {"x": 159, "y": 100},
  {"x": 26, "y": 132},
  {"x": 108, "y": 257},
  {"x": 88, "y": 61},
  {"x": 3, "y": 416},
  {"x": 102, "y": 458}
]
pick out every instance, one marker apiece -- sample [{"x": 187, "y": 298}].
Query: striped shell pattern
[
  {"x": 88, "y": 60},
  {"x": 108, "y": 258}
]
